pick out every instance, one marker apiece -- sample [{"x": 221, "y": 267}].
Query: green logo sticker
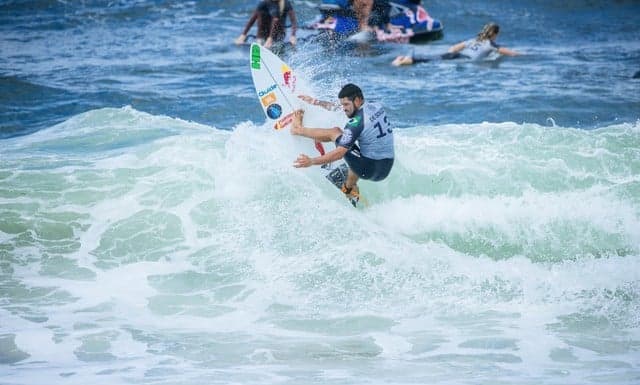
[{"x": 255, "y": 57}]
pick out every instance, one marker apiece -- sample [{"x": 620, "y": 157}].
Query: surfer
[
  {"x": 371, "y": 158},
  {"x": 271, "y": 16},
  {"x": 483, "y": 45},
  {"x": 372, "y": 13}
]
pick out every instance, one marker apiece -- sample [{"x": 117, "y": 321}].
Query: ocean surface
[{"x": 154, "y": 231}]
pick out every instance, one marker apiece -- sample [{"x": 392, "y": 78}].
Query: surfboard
[{"x": 278, "y": 89}]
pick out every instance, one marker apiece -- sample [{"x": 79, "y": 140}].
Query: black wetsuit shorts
[{"x": 367, "y": 168}]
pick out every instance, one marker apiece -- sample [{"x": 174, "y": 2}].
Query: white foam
[{"x": 282, "y": 256}]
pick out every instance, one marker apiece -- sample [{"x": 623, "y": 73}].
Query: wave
[
  {"x": 498, "y": 190},
  {"x": 124, "y": 229}
]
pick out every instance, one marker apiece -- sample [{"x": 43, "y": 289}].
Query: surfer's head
[
  {"x": 351, "y": 99},
  {"x": 489, "y": 32}
]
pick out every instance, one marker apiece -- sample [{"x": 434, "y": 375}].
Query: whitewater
[
  {"x": 153, "y": 229},
  {"x": 171, "y": 252}
]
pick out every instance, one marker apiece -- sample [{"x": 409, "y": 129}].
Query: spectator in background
[{"x": 271, "y": 16}]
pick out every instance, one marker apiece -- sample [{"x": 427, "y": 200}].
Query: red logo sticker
[{"x": 284, "y": 122}]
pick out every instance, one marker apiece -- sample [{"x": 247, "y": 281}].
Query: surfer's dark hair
[{"x": 350, "y": 91}]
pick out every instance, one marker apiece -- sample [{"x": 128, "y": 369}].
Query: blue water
[{"x": 152, "y": 229}]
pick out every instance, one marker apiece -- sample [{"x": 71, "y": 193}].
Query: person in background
[
  {"x": 362, "y": 10},
  {"x": 372, "y": 13},
  {"x": 271, "y": 16},
  {"x": 483, "y": 45},
  {"x": 380, "y": 15},
  {"x": 371, "y": 158}
]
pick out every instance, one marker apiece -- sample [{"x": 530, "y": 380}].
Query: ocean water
[{"x": 154, "y": 231}]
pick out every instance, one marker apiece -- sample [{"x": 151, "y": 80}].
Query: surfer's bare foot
[
  {"x": 297, "y": 128},
  {"x": 352, "y": 191},
  {"x": 355, "y": 191}
]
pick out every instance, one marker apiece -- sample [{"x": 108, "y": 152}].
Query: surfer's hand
[
  {"x": 297, "y": 128},
  {"x": 402, "y": 60},
  {"x": 302, "y": 161},
  {"x": 293, "y": 40},
  {"x": 241, "y": 39}
]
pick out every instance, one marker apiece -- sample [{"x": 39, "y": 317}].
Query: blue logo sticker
[
  {"x": 274, "y": 111},
  {"x": 264, "y": 92}
]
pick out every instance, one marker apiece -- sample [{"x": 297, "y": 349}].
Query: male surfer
[
  {"x": 371, "y": 158},
  {"x": 271, "y": 16}
]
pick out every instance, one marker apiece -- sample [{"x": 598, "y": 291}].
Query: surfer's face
[{"x": 350, "y": 106}]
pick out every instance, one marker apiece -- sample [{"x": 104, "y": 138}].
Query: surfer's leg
[
  {"x": 377, "y": 169},
  {"x": 356, "y": 168},
  {"x": 352, "y": 180},
  {"x": 264, "y": 27},
  {"x": 362, "y": 9},
  {"x": 451, "y": 56},
  {"x": 350, "y": 188}
]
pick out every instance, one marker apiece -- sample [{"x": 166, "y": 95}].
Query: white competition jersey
[
  {"x": 475, "y": 49},
  {"x": 372, "y": 129}
]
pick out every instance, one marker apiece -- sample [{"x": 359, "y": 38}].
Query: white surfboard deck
[{"x": 278, "y": 88}]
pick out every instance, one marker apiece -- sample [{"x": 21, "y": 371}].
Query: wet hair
[
  {"x": 489, "y": 30},
  {"x": 350, "y": 91}
]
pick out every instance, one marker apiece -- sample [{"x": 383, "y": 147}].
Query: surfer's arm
[
  {"x": 458, "y": 47},
  {"x": 331, "y": 156},
  {"x": 317, "y": 134},
  {"x": 243, "y": 36},
  {"x": 508, "y": 52},
  {"x": 316, "y": 102},
  {"x": 275, "y": 20},
  {"x": 294, "y": 27},
  {"x": 294, "y": 22}
]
